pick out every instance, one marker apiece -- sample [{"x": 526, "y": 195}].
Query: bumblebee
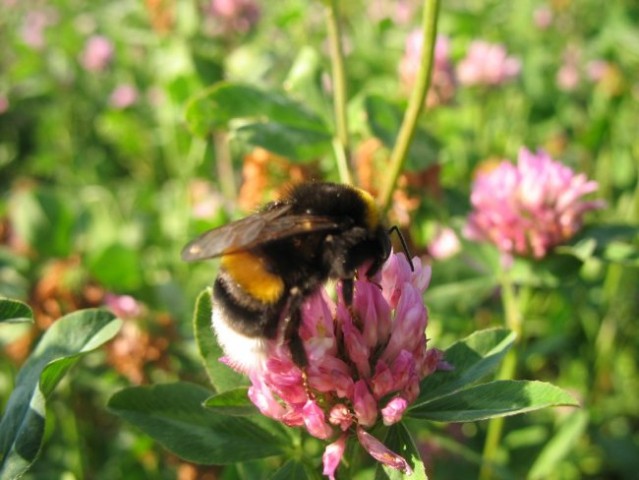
[{"x": 273, "y": 260}]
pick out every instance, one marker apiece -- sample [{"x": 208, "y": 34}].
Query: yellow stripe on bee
[
  {"x": 250, "y": 273},
  {"x": 372, "y": 212}
]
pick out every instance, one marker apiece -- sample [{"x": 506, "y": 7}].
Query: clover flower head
[
  {"x": 529, "y": 208},
  {"x": 365, "y": 363},
  {"x": 445, "y": 243},
  {"x": 123, "y": 96},
  {"x": 487, "y": 64},
  {"x": 97, "y": 53},
  {"x": 543, "y": 17},
  {"x": 34, "y": 27},
  {"x": 123, "y": 306},
  {"x": 238, "y": 16}
]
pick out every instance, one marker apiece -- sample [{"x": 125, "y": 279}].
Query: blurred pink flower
[
  {"x": 97, "y": 53},
  {"x": 569, "y": 73},
  {"x": 35, "y": 23},
  {"x": 543, "y": 17},
  {"x": 597, "y": 69},
  {"x": 528, "y": 208},
  {"x": 365, "y": 363},
  {"x": 238, "y": 16},
  {"x": 607, "y": 76},
  {"x": 487, "y": 64},
  {"x": 399, "y": 11},
  {"x": 123, "y": 306},
  {"x": 442, "y": 87},
  {"x": 445, "y": 243},
  {"x": 204, "y": 199},
  {"x": 568, "y": 77},
  {"x": 123, "y": 96}
]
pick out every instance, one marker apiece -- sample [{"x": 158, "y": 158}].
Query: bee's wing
[{"x": 253, "y": 230}]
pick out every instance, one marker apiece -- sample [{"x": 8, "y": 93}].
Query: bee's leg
[
  {"x": 348, "y": 286},
  {"x": 292, "y": 335},
  {"x": 292, "y": 331}
]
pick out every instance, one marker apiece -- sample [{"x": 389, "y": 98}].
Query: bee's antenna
[{"x": 396, "y": 229}]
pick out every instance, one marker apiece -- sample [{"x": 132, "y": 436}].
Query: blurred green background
[{"x": 102, "y": 182}]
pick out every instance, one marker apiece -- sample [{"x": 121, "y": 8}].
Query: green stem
[
  {"x": 340, "y": 144},
  {"x": 342, "y": 163},
  {"x": 513, "y": 320},
  {"x": 415, "y": 102}
]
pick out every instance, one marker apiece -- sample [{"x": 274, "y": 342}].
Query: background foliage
[{"x": 106, "y": 173}]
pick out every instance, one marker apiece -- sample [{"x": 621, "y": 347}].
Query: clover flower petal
[
  {"x": 379, "y": 452},
  {"x": 333, "y": 455},
  {"x": 393, "y": 411}
]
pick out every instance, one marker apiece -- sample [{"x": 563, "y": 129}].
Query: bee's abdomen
[
  {"x": 243, "y": 313},
  {"x": 250, "y": 274}
]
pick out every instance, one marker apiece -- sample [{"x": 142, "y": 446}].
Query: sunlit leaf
[
  {"x": 174, "y": 415},
  {"x": 261, "y": 119},
  {"x": 471, "y": 359},
  {"x": 494, "y": 399},
  {"x": 222, "y": 377},
  {"x": 232, "y": 402},
  {"x": 14, "y": 311},
  {"x": 22, "y": 425}
]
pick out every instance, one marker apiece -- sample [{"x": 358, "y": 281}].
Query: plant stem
[
  {"x": 340, "y": 144},
  {"x": 415, "y": 102},
  {"x": 512, "y": 314}
]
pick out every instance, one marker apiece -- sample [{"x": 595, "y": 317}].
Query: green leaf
[
  {"x": 400, "y": 441},
  {"x": 385, "y": 119},
  {"x": 462, "y": 293},
  {"x": 560, "y": 445},
  {"x": 615, "y": 243},
  {"x": 22, "y": 426},
  {"x": 472, "y": 358},
  {"x": 14, "y": 311},
  {"x": 286, "y": 140},
  {"x": 45, "y": 221},
  {"x": 117, "y": 267},
  {"x": 174, "y": 416},
  {"x": 293, "y": 469},
  {"x": 221, "y": 376},
  {"x": 232, "y": 402},
  {"x": 304, "y": 81},
  {"x": 21, "y": 451},
  {"x": 494, "y": 399},
  {"x": 260, "y": 118},
  {"x": 465, "y": 280}
]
